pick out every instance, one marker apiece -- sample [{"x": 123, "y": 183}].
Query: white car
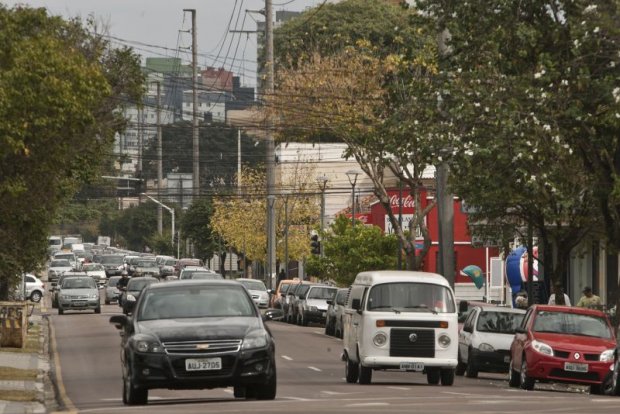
[
  {"x": 485, "y": 339},
  {"x": 35, "y": 289},
  {"x": 96, "y": 271},
  {"x": 258, "y": 291}
]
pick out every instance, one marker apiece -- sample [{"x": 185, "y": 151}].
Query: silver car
[
  {"x": 78, "y": 293},
  {"x": 111, "y": 291},
  {"x": 57, "y": 267},
  {"x": 258, "y": 291}
]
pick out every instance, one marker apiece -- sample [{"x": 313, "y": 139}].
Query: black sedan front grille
[
  {"x": 205, "y": 348},
  {"x": 402, "y": 345}
]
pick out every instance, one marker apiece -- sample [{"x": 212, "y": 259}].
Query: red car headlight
[{"x": 542, "y": 348}]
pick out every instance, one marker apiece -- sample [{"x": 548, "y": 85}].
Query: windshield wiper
[{"x": 420, "y": 307}]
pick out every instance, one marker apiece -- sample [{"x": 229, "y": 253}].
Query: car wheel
[
  {"x": 365, "y": 375},
  {"x": 596, "y": 389},
  {"x": 266, "y": 391},
  {"x": 433, "y": 375},
  {"x": 61, "y": 311},
  {"x": 460, "y": 366},
  {"x": 447, "y": 376},
  {"x": 239, "y": 392},
  {"x": 527, "y": 382},
  {"x": 351, "y": 371},
  {"x": 35, "y": 296},
  {"x": 107, "y": 302},
  {"x": 471, "y": 371},
  {"x": 98, "y": 309},
  {"x": 615, "y": 378},
  {"x": 514, "y": 380},
  {"x": 131, "y": 394},
  {"x": 329, "y": 327}
]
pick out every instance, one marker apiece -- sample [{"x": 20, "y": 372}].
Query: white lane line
[
  {"x": 295, "y": 398},
  {"x": 338, "y": 393},
  {"x": 315, "y": 369},
  {"x": 288, "y": 358},
  {"x": 370, "y": 404},
  {"x": 399, "y": 388},
  {"x": 456, "y": 393}
]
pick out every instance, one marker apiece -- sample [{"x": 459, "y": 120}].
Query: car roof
[
  {"x": 503, "y": 309},
  {"x": 394, "y": 276},
  {"x": 568, "y": 309},
  {"x": 196, "y": 282}
]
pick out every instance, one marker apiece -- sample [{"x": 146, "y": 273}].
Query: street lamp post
[
  {"x": 352, "y": 176},
  {"x": 322, "y": 181},
  {"x": 171, "y": 210}
]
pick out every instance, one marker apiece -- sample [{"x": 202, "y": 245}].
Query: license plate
[
  {"x": 507, "y": 359},
  {"x": 569, "y": 366},
  {"x": 79, "y": 303},
  {"x": 203, "y": 364},
  {"x": 412, "y": 366}
]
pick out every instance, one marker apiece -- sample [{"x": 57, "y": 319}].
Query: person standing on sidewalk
[
  {"x": 559, "y": 291},
  {"x": 589, "y": 299}
]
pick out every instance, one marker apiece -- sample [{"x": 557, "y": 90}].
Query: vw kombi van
[{"x": 400, "y": 320}]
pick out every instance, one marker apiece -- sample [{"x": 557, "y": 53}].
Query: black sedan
[{"x": 196, "y": 335}]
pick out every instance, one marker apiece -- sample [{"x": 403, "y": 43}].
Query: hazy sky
[{"x": 153, "y": 27}]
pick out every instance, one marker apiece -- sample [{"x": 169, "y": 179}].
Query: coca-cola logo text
[{"x": 407, "y": 201}]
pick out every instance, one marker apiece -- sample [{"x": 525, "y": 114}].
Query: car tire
[
  {"x": 433, "y": 375},
  {"x": 36, "y": 296},
  {"x": 351, "y": 371},
  {"x": 527, "y": 382},
  {"x": 268, "y": 390},
  {"x": 98, "y": 309},
  {"x": 615, "y": 378},
  {"x": 447, "y": 376},
  {"x": 514, "y": 379},
  {"x": 133, "y": 395},
  {"x": 239, "y": 392},
  {"x": 61, "y": 311},
  {"x": 365, "y": 375},
  {"x": 471, "y": 371},
  {"x": 460, "y": 366},
  {"x": 597, "y": 389},
  {"x": 107, "y": 302}
]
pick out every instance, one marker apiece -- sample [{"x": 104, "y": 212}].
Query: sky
[{"x": 160, "y": 28}]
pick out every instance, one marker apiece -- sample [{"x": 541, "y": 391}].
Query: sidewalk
[{"x": 37, "y": 392}]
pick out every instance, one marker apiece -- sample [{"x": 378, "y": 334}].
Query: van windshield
[{"x": 410, "y": 297}]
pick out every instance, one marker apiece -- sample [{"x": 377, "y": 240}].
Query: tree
[
  {"x": 349, "y": 250},
  {"x": 61, "y": 87},
  {"x": 196, "y": 225}
]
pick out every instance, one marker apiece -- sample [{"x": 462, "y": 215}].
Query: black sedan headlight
[
  {"x": 256, "y": 339},
  {"x": 146, "y": 344}
]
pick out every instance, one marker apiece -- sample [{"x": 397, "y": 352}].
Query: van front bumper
[{"x": 387, "y": 362}]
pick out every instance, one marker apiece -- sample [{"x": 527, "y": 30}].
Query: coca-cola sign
[{"x": 408, "y": 201}]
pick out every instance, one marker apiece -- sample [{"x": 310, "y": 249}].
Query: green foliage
[
  {"x": 196, "y": 225},
  {"x": 60, "y": 87},
  {"x": 350, "y": 250}
]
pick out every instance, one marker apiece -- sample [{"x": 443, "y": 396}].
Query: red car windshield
[{"x": 572, "y": 324}]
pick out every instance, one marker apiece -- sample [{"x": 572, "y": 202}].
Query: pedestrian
[
  {"x": 558, "y": 290},
  {"x": 281, "y": 277},
  {"x": 589, "y": 299},
  {"x": 521, "y": 300}
]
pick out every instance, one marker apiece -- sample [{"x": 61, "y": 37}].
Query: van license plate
[
  {"x": 412, "y": 366},
  {"x": 569, "y": 366},
  {"x": 203, "y": 364}
]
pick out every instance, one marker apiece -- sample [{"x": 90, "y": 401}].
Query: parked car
[
  {"x": 56, "y": 268},
  {"x": 562, "y": 344},
  {"x": 335, "y": 312},
  {"x": 279, "y": 298},
  {"x": 78, "y": 293},
  {"x": 113, "y": 264},
  {"x": 131, "y": 294},
  {"x": 34, "y": 288},
  {"x": 484, "y": 340},
  {"x": 146, "y": 267},
  {"x": 199, "y": 334},
  {"x": 312, "y": 304},
  {"x": 111, "y": 291},
  {"x": 96, "y": 271},
  {"x": 258, "y": 291}
]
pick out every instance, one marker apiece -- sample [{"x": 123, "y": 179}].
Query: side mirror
[
  {"x": 356, "y": 304},
  {"x": 273, "y": 315},
  {"x": 119, "y": 321}
]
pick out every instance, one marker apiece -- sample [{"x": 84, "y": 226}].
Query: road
[{"x": 310, "y": 380}]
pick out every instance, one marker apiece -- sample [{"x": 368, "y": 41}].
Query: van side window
[{"x": 357, "y": 292}]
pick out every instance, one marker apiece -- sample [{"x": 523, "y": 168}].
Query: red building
[{"x": 464, "y": 253}]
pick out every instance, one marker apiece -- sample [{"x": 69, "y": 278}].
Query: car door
[
  {"x": 353, "y": 331},
  {"x": 465, "y": 336}
]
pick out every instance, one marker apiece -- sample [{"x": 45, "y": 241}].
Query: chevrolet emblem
[{"x": 202, "y": 346}]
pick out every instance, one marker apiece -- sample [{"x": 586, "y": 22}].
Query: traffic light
[{"x": 315, "y": 244}]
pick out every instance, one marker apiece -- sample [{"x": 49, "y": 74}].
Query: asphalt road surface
[{"x": 310, "y": 380}]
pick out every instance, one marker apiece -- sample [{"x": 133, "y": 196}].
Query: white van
[{"x": 400, "y": 320}]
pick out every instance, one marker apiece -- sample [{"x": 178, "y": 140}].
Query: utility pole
[
  {"x": 271, "y": 181},
  {"x": 160, "y": 167},
  {"x": 195, "y": 141},
  {"x": 140, "y": 126}
]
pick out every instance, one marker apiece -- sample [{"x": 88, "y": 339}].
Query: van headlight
[
  {"x": 607, "y": 355},
  {"x": 444, "y": 340},
  {"x": 380, "y": 339}
]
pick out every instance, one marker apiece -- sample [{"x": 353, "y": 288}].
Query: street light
[
  {"x": 171, "y": 210},
  {"x": 352, "y": 176},
  {"x": 322, "y": 181}
]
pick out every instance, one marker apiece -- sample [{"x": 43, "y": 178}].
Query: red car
[{"x": 562, "y": 344}]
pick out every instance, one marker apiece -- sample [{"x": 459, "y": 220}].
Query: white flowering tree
[{"x": 529, "y": 95}]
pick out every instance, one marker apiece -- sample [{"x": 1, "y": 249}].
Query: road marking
[
  {"x": 399, "y": 388},
  {"x": 228, "y": 391},
  {"x": 315, "y": 369},
  {"x": 288, "y": 358},
  {"x": 338, "y": 393},
  {"x": 62, "y": 391},
  {"x": 369, "y": 404},
  {"x": 295, "y": 399},
  {"x": 456, "y": 393}
]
